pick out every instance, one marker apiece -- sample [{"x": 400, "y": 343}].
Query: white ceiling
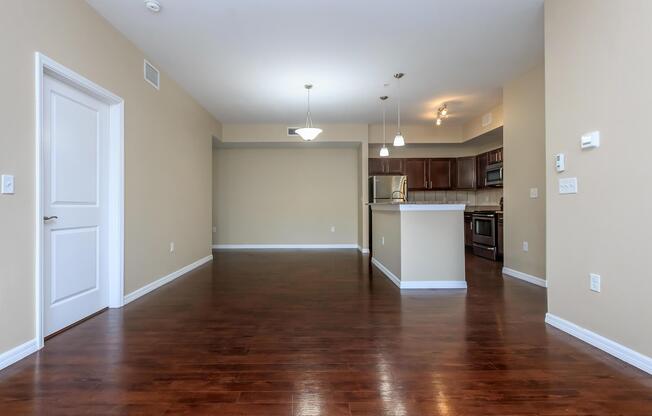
[{"x": 247, "y": 60}]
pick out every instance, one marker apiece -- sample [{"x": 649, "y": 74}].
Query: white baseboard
[
  {"x": 7, "y": 358},
  {"x": 391, "y": 276},
  {"x": 164, "y": 280},
  {"x": 619, "y": 351},
  {"x": 422, "y": 284},
  {"x": 282, "y": 246},
  {"x": 526, "y": 277},
  {"x": 363, "y": 250}
]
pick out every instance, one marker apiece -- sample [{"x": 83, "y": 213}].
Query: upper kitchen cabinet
[
  {"x": 482, "y": 161},
  {"x": 395, "y": 166},
  {"x": 466, "y": 173},
  {"x": 441, "y": 174},
  {"x": 376, "y": 166},
  {"x": 417, "y": 173},
  {"x": 430, "y": 174},
  {"x": 495, "y": 156},
  {"x": 386, "y": 166}
]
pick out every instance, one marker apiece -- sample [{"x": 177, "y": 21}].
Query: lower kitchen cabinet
[
  {"x": 500, "y": 234},
  {"x": 468, "y": 229}
]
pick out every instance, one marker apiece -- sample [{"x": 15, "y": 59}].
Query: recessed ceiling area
[{"x": 246, "y": 61}]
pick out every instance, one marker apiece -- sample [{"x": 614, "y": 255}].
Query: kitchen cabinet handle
[{"x": 54, "y": 217}]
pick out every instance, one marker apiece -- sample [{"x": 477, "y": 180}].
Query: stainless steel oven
[
  {"x": 485, "y": 234},
  {"x": 494, "y": 175}
]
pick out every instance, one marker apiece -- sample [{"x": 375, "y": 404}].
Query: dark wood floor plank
[{"x": 319, "y": 333}]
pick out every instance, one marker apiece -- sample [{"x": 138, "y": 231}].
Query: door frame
[{"x": 46, "y": 66}]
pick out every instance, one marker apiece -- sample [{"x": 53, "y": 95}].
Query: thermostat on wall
[{"x": 591, "y": 139}]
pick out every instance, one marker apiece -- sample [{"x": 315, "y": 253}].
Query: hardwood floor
[{"x": 313, "y": 333}]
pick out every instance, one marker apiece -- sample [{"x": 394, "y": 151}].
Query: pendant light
[
  {"x": 384, "y": 151},
  {"x": 399, "y": 140},
  {"x": 308, "y": 133}
]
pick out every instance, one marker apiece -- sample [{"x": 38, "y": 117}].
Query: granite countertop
[{"x": 473, "y": 208}]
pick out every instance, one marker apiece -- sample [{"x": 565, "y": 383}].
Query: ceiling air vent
[
  {"x": 152, "y": 75},
  {"x": 292, "y": 131}
]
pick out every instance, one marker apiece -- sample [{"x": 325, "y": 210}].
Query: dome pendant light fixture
[
  {"x": 308, "y": 133},
  {"x": 399, "y": 140},
  {"x": 384, "y": 151}
]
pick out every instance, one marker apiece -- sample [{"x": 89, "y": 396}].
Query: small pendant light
[
  {"x": 308, "y": 133},
  {"x": 399, "y": 140},
  {"x": 384, "y": 151}
]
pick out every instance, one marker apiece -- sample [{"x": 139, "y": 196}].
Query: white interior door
[{"x": 75, "y": 206}]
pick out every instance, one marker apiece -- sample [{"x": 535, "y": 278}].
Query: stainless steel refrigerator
[{"x": 387, "y": 189}]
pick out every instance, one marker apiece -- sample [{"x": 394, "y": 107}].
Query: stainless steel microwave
[{"x": 494, "y": 175}]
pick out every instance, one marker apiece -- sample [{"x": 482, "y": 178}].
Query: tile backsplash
[{"x": 481, "y": 197}]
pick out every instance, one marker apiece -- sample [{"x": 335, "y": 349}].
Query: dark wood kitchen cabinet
[
  {"x": 388, "y": 166},
  {"x": 441, "y": 173},
  {"x": 430, "y": 174},
  {"x": 376, "y": 167},
  {"x": 468, "y": 229},
  {"x": 500, "y": 235},
  {"x": 465, "y": 173},
  {"x": 417, "y": 174},
  {"x": 482, "y": 160},
  {"x": 495, "y": 156},
  {"x": 395, "y": 166}
]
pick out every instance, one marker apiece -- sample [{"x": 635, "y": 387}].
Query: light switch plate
[
  {"x": 595, "y": 282},
  {"x": 526, "y": 246},
  {"x": 534, "y": 193},
  {"x": 568, "y": 186},
  {"x": 7, "y": 184}
]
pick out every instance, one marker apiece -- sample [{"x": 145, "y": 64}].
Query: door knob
[{"x": 54, "y": 217}]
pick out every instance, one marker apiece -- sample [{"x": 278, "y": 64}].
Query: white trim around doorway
[{"x": 43, "y": 66}]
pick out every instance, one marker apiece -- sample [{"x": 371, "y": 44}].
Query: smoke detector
[{"x": 153, "y": 5}]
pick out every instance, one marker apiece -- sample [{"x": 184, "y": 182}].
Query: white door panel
[{"x": 75, "y": 160}]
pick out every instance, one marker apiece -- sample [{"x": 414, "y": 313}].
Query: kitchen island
[{"x": 419, "y": 245}]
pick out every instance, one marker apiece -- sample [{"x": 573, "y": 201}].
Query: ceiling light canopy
[
  {"x": 399, "y": 140},
  {"x": 153, "y": 5},
  {"x": 384, "y": 151},
  {"x": 308, "y": 133}
]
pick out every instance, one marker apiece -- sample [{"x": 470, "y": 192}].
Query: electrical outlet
[
  {"x": 382, "y": 240},
  {"x": 526, "y": 246},
  {"x": 171, "y": 246},
  {"x": 595, "y": 282},
  {"x": 534, "y": 193},
  {"x": 332, "y": 228}
]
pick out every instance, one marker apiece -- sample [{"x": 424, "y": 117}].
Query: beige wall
[
  {"x": 167, "y": 152},
  {"x": 265, "y": 132},
  {"x": 598, "y": 67},
  {"x": 286, "y": 195},
  {"x": 474, "y": 128},
  {"x": 387, "y": 226},
  {"x": 524, "y": 163},
  {"x": 418, "y": 133}
]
